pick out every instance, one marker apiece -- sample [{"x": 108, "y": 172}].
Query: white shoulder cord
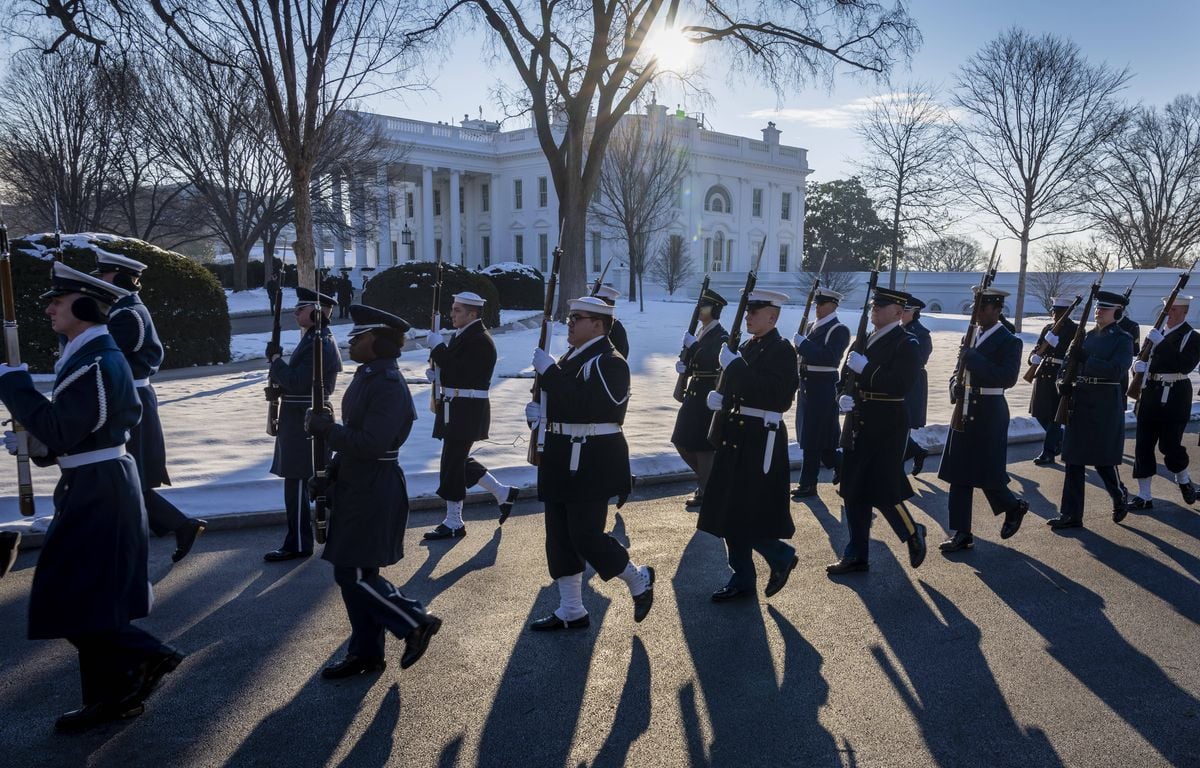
[
  {"x": 101, "y": 393},
  {"x": 141, "y": 327}
]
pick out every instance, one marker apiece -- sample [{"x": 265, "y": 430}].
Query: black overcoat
[
  {"x": 619, "y": 338},
  {"x": 293, "y": 446},
  {"x": 917, "y": 399},
  {"x": 703, "y": 368},
  {"x": 1178, "y": 352},
  {"x": 1043, "y": 403},
  {"x": 1095, "y": 431},
  {"x": 465, "y": 362},
  {"x": 132, "y": 328},
  {"x": 740, "y": 500},
  {"x": 816, "y": 403}
]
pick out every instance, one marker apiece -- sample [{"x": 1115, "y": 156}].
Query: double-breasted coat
[
  {"x": 917, "y": 399},
  {"x": 978, "y": 455},
  {"x": 703, "y": 369},
  {"x": 130, "y": 325},
  {"x": 369, "y": 496},
  {"x": 293, "y": 446},
  {"x": 816, "y": 407},
  {"x": 1177, "y": 353},
  {"x": 1043, "y": 403},
  {"x": 465, "y": 362},
  {"x": 91, "y": 571},
  {"x": 741, "y": 500},
  {"x": 1095, "y": 431}
]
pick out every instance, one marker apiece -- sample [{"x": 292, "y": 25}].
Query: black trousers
[
  {"x": 700, "y": 462},
  {"x": 778, "y": 555},
  {"x": 164, "y": 517},
  {"x": 575, "y": 537},
  {"x": 1168, "y": 436},
  {"x": 962, "y": 498},
  {"x": 374, "y": 607},
  {"x": 1052, "y": 444},
  {"x": 1073, "y": 489},
  {"x": 912, "y": 448},
  {"x": 810, "y": 467},
  {"x": 458, "y": 471},
  {"x": 858, "y": 518},
  {"x": 108, "y": 661},
  {"x": 299, "y": 516}
]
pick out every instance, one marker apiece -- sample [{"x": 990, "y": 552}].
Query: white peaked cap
[
  {"x": 117, "y": 262},
  {"x": 608, "y": 292},
  {"x": 1059, "y": 302},
  {"x": 1180, "y": 300},
  {"x": 591, "y": 305},
  {"x": 774, "y": 298},
  {"x": 470, "y": 299}
]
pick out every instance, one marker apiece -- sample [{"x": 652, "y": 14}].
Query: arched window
[
  {"x": 717, "y": 200},
  {"x": 935, "y": 306}
]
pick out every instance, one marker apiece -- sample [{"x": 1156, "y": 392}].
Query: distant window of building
[
  {"x": 717, "y": 200},
  {"x": 518, "y": 193},
  {"x": 543, "y": 250},
  {"x": 595, "y": 251},
  {"x": 718, "y": 252},
  {"x": 729, "y": 255},
  {"x": 412, "y": 251},
  {"x": 519, "y": 248},
  {"x": 391, "y": 205},
  {"x": 408, "y": 205},
  {"x": 462, "y": 200},
  {"x": 756, "y": 203},
  {"x": 437, "y": 202},
  {"x": 935, "y": 306},
  {"x": 395, "y": 252},
  {"x": 783, "y": 257},
  {"x": 543, "y": 192},
  {"x": 485, "y": 197},
  {"x": 437, "y": 248},
  {"x": 487, "y": 250},
  {"x": 785, "y": 206}
]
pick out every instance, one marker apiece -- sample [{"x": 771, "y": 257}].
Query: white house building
[{"x": 476, "y": 195}]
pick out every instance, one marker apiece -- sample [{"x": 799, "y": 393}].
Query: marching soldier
[
  {"x": 370, "y": 498},
  {"x": 820, "y": 352},
  {"x": 130, "y": 325},
  {"x": 977, "y": 456},
  {"x": 465, "y": 367},
  {"x": 917, "y": 400},
  {"x": 91, "y": 578},
  {"x": 702, "y": 367},
  {"x": 1043, "y": 404},
  {"x": 585, "y": 462},
  {"x": 293, "y": 447},
  {"x": 746, "y": 502},
  {"x": 1095, "y": 431},
  {"x": 618, "y": 337},
  {"x": 873, "y": 467},
  {"x": 1129, "y": 326},
  {"x": 1166, "y": 404}
]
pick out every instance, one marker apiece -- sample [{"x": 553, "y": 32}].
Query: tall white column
[
  {"x": 427, "y": 236},
  {"x": 383, "y": 192},
  {"x": 455, "y": 233},
  {"x": 358, "y": 216},
  {"x": 494, "y": 218},
  {"x": 339, "y": 242}
]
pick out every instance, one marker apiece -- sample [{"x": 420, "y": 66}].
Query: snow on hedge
[
  {"x": 502, "y": 267},
  {"x": 83, "y": 241}
]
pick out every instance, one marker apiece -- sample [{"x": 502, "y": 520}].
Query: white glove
[
  {"x": 1051, "y": 339},
  {"x": 715, "y": 400},
  {"x": 10, "y": 443},
  {"x": 533, "y": 413},
  {"x": 430, "y": 375},
  {"x": 1035, "y": 359},
  {"x": 1154, "y": 336},
  {"x": 7, "y": 369},
  {"x": 726, "y": 357},
  {"x": 857, "y": 361},
  {"x": 541, "y": 360},
  {"x": 845, "y": 403},
  {"x": 1139, "y": 366},
  {"x": 435, "y": 338},
  {"x": 798, "y": 339},
  {"x": 680, "y": 367},
  {"x": 688, "y": 340}
]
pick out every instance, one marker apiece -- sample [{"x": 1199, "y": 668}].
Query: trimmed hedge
[
  {"x": 407, "y": 290},
  {"x": 254, "y": 273},
  {"x": 520, "y": 286},
  {"x": 186, "y": 301}
]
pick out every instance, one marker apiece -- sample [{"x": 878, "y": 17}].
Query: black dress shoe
[
  {"x": 960, "y": 540},
  {"x": 1044, "y": 459},
  {"x": 417, "y": 641},
  {"x": 279, "y": 555},
  {"x": 916, "y": 547},
  {"x": 730, "y": 592},
  {"x": 151, "y": 671},
  {"x": 1063, "y": 521},
  {"x": 778, "y": 579},
  {"x": 837, "y": 475},
  {"x": 919, "y": 462},
  {"x": 693, "y": 501},
  {"x": 351, "y": 666},
  {"x": 552, "y": 622},
  {"x": 445, "y": 532},
  {"x": 506, "y": 505},
  {"x": 1013, "y": 518},
  {"x": 96, "y": 714},
  {"x": 1189, "y": 493},
  {"x": 1121, "y": 507},
  {"x": 1137, "y": 502},
  {"x": 645, "y": 601},
  {"x": 847, "y": 565},
  {"x": 803, "y": 492},
  {"x": 186, "y": 536}
]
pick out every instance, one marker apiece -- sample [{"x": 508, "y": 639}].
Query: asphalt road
[
  {"x": 1074, "y": 649},
  {"x": 265, "y": 322}
]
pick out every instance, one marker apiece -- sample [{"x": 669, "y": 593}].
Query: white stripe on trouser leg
[
  {"x": 299, "y": 518},
  {"x": 384, "y": 600}
]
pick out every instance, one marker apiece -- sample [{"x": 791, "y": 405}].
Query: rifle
[
  {"x": 58, "y": 252},
  {"x": 273, "y": 391},
  {"x": 1135, "y": 384},
  {"x": 682, "y": 382},
  {"x": 537, "y": 439},
  {"x": 320, "y": 481},
  {"x": 812, "y": 295},
  {"x": 435, "y": 324},
  {"x": 849, "y": 377},
  {"x": 600, "y": 277},
  {"x": 962, "y": 377},
  {"x": 1045, "y": 348},
  {"x": 1066, "y": 388},
  {"x": 12, "y": 356},
  {"x": 717, "y": 426}
]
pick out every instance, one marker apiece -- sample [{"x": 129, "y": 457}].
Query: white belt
[
  {"x": 391, "y": 456},
  {"x": 1167, "y": 379},
  {"x": 820, "y": 369},
  {"x": 142, "y": 382},
  {"x": 771, "y": 420},
  {"x": 1056, "y": 360},
  {"x": 579, "y": 433},
  {"x": 986, "y": 390},
  {"x": 449, "y": 394},
  {"x": 91, "y": 457}
]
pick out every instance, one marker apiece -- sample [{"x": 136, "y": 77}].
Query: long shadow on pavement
[
  {"x": 426, "y": 588},
  {"x": 633, "y": 711}
]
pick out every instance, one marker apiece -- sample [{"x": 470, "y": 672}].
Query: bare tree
[
  {"x": 946, "y": 254},
  {"x": 834, "y": 280},
  {"x": 1054, "y": 275},
  {"x": 909, "y": 145},
  {"x": 639, "y": 188},
  {"x": 1144, "y": 192},
  {"x": 1034, "y": 110},
  {"x": 672, "y": 266},
  {"x": 1092, "y": 256}
]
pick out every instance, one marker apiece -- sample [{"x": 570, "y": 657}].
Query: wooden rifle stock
[
  {"x": 682, "y": 381},
  {"x": 1071, "y": 364},
  {"x": 849, "y": 377},
  {"x": 537, "y": 436},
  {"x": 717, "y": 425},
  {"x": 1135, "y": 384},
  {"x": 320, "y": 469},
  {"x": 12, "y": 356},
  {"x": 962, "y": 376},
  {"x": 273, "y": 392},
  {"x": 1045, "y": 348}
]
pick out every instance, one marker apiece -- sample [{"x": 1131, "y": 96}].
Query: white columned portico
[
  {"x": 427, "y": 235},
  {"x": 358, "y": 217},
  {"x": 384, "y": 257},
  {"x": 455, "y": 233},
  {"x": 493, "y": 218}
]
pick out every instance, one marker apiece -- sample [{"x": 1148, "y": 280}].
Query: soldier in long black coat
[
  {"x": 584, "y": 463},
  {"x": 746, "y": 502},
  {"x": 873, "y": 467},
  {"x": 1095, "y": 430},
  {"x": 91, "y": 578},
  {"x": 1043, "y": 403},
  {"x": 977, "y": 457},
  {"x": 617, "y": 336},
  {"x": 132, "y": 328},
  {"x": 293, "y": 447},
  {"x": 463, "y": 374},
  {"x": 917, "y": 400},
  {"x": 1131, "y": 327},
  {"x": 370, "y": 499},
  {"x": 819, "y": 350},
  {"x": 701, "y": 367},
  {"x": 1165, "y": 406}
]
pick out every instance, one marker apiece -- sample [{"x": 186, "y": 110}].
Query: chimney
[{"x": 771, "y": 135}]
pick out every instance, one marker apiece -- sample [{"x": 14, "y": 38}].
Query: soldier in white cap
[
  {"x": 464, "y": 367},
  {"x": 1043, "y": 404},
  {"x": 618, "y": 336},
  {"x": 820, "y": 349},
  {"x": 1165, "y": 406}
]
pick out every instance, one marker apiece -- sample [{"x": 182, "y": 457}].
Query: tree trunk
[
  {"x": 572, "y": 278},
  {"x": 895, "y": 243},
  {"x": 241, "y": 263},
  {"x": 269, "y": 260},
  {"x": 1020, "y": 309},
  {"x": 633, "y": 273},
  {"x": 306, "y": 265},
  {"x": 642, "y": 295}
]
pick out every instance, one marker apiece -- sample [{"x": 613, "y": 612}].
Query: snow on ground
[
  {"x": 256, "y": 301},
  {"x": 220, "y": 455}
]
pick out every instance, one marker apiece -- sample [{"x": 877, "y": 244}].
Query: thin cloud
[{"x": 836, "y": 117}]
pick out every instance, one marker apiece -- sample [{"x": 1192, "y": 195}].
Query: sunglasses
[{"x": 575, "y": 317}]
